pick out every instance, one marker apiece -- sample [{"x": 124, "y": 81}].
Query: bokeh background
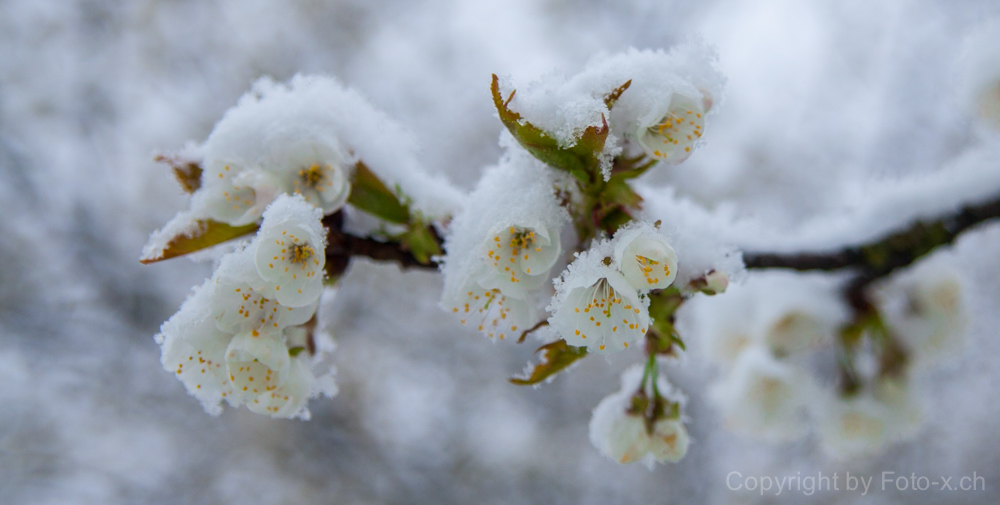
[{"x": 823, "y": 98}]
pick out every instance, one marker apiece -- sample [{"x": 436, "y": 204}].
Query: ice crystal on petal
[
  {"x": 645, "y": 257},
  {"x": 291, "y": 252}
]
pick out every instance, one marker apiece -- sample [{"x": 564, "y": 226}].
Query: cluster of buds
[{"x": 641, "y": 422}]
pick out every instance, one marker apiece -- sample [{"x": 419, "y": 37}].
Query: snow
[{"x": 841, "y": 120}]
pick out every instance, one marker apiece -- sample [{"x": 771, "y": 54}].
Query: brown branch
[
  {"x": 886, "y": 254},
  {"x": 342, "y": 246}
]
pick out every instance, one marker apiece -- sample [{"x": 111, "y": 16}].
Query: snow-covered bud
[
  {"x": 645, "y": 258},
  {"x": 291, "y": 252},
  {"x": 716, "y": 282},
  {"x": 596, "y": 307},
  {"x": 623, "y": 435},
  {"x": 763, "y": 397},
  {"x": 671, "y": 137}
]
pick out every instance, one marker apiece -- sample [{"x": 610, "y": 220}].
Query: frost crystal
[
  {"x": 645, "y": 258},
  {"x": 596, "y": 307},
  {"x": 623, "y": 436}
]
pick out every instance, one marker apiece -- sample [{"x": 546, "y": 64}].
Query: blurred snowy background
[{"x": 824, "y": 97}]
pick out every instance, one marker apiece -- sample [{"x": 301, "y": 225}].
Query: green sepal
[
  {"x": 421, "y": 242},
  {"x": 295, "y": 351},
  {"x": 582, "y": 159},
  {"x": 370, "y": 194},
  {"x": 662, "y": 335},
  {"x": 556, "y": 356},
  {"x": 208, "y": 233}
]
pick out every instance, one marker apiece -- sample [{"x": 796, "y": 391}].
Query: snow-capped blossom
[
  {"x": 239, "y": 306},
  {"x": 257, "y": 362},
  {"x": 622, "y": 435},
  {"x": 291, "y": 252},
  {"x": 645, "y": 257},
  {"x": 596, "y": 307},
  {"x": 502, "y": 246},
  {"x": 234, "y": 192},
  {"x": 763, "y": 397},
  {"x": 671, "y": 137},
  {"x": 865, "y": 423},
  {"x": 194, "y": 350},
  {"x": 316, "y": 170}
]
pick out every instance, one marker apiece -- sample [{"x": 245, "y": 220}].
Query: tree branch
[
  {"x": 341, "y": 246},
  {"x": 887, "y": 254}
]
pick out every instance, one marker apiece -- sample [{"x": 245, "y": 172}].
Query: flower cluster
[
  {"x": 600, "y": 302},
  {"x": 640, "y": 422},
  {"x": 240, "y": 336}
]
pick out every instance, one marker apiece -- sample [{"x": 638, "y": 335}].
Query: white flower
[
  {"x": 289, "y": 399},
  {"x": 291, "y": 252},
  {"x": 623, "y": 436},
  {"x": 796, "y": 331},
  {"x": 645, "y": 258},
  {"x": 194, "y": 350},
  {"x": 493, "y": 314},
  {"x": 257, "y": 362},
  {"x": 671, "y": 137},
  {"x": 518, "y": 258},
  {"x": 763, "y": 397},
  {"x": 865, "y": 423},
  {"x": 596, "y": 307},
  {"x": 316, "y": 170},
  {"x": 240, "y": 307},
  {"x": 234, "y": 192},
  {"x": 933, "y": 321}
]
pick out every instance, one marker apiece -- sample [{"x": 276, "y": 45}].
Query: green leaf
[
  {"x": 556, "y": 356},
  {"x": 582, "y": 159},
  {"x": 207, "y": 233},
  {"x": 370, "y": 194}
]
